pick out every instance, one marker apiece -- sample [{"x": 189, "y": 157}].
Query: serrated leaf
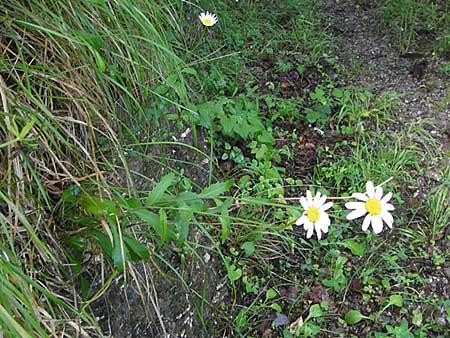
[{"x": 352, "y": 317}]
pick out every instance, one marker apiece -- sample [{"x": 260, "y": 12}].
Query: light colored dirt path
[{"x": 425, "y": 92}]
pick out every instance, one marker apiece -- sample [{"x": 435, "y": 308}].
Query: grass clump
[{"x": 75, "y": 83}]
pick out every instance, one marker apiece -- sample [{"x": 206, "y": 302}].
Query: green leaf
[
  {"x": 216, "y": 189},
  {"x": 396, "y": 300},
  {"x": 356, "y": 248},
  {"x": 352, "y": 317},
  {"x": 276, "y": 307},
  {"x": 310, "y": 330},
  {"x": 164, "y": 229},
  {"x": 158, "y": 191},
  {"x": 248, "y": 247},
  {"x": 234, "y": 273},
  {"x": 26, "y": 129},
  {"x": 102, "y": 239},
  {"x": 189, "y": 70},
  {"x": 101, "y": 65},
  {"x": 99, "y": 206},
  {"x": 270, "y": 294},
  {"x": 315, "y": 311},
  {"x": 159, "y": 224},
  {"x": 137, "y": 250},
  {"x": 182, "y": 221},
  {"x": 226, "y": 227},
  {"x": 119, "y": 252}
]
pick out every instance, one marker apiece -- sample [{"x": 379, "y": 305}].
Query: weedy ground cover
[{"x": 140, "y": 138}]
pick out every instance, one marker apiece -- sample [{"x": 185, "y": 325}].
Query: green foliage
[{"x": 408, "y": 19}]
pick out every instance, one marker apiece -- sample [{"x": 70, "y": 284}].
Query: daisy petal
[
  {"x": 387, "y": 218},
  {"x": 301, "y": 220},
  {"x": 307, "y": 224},
  {"x": 309, "y": 197},
  {"x": 356, "y": 213},
  {"x": 378, "y": 193},
  {"x": 321, "y": 201},
  {"x": 388, "y": 207},
  {"x": 304, "y": 203},
  {"x": 319, "y": 234},
  {"x": 386, "y": 198},
  {"x": 324, "y": 222},
  {"x": 317, "y": 198},
  {"x": 377, "y": 224},
  {"x": 360, "y": 196},
  {"x": 326, "y": 206},
  {"x": 366, "y": 222},
  {"x": 370, "y": 189},
  {"x": 354, "y": 205},
  {"x": 310, "y": 232}
]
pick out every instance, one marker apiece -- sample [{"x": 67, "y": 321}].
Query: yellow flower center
[
  {"x": 373, "y": 206},
  {"x": 207, "y": 22},
  {"x": 313, "y": 214}
]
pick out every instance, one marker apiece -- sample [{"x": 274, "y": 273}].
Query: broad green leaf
[
  {"x": 189, "y": 70},
  {"x": 119, "y": 250},
  {"x": 248, "y": 247},
  {"x": 150, "y": 218},
  {"x": 99, "y": 206},
  {"x": 158, "y": 191},
  {"x": 356, "y": 248},
  {"x": 352, "y": 317},
  {"x": 270, "y": 294},
  {"x": 310, "y": 330},
  {"x": 138, "y": 251},
  {"x": 182, "y": 221},
  {"x": 396, "y": 300},
  {"x": 417, "y": 318},
  {"x": 315, "y": 311},
  {"x": 276, "y": 307},
  {"x": 216, "y": 189},
  {"x": 234, "y": 273},
  {"x": 102, "y": 239}
]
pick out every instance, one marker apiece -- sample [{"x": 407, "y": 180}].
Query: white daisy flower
[
  {"x": 374, "y": 205},
  {"x": 208, "y": 19},
  {"x": 314, "y": 216}
]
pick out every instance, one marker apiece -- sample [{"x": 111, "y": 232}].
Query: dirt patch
[{"x": 424, "y": 91}]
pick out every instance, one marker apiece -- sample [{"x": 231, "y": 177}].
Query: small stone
[{"x": 280, "y": 320}]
